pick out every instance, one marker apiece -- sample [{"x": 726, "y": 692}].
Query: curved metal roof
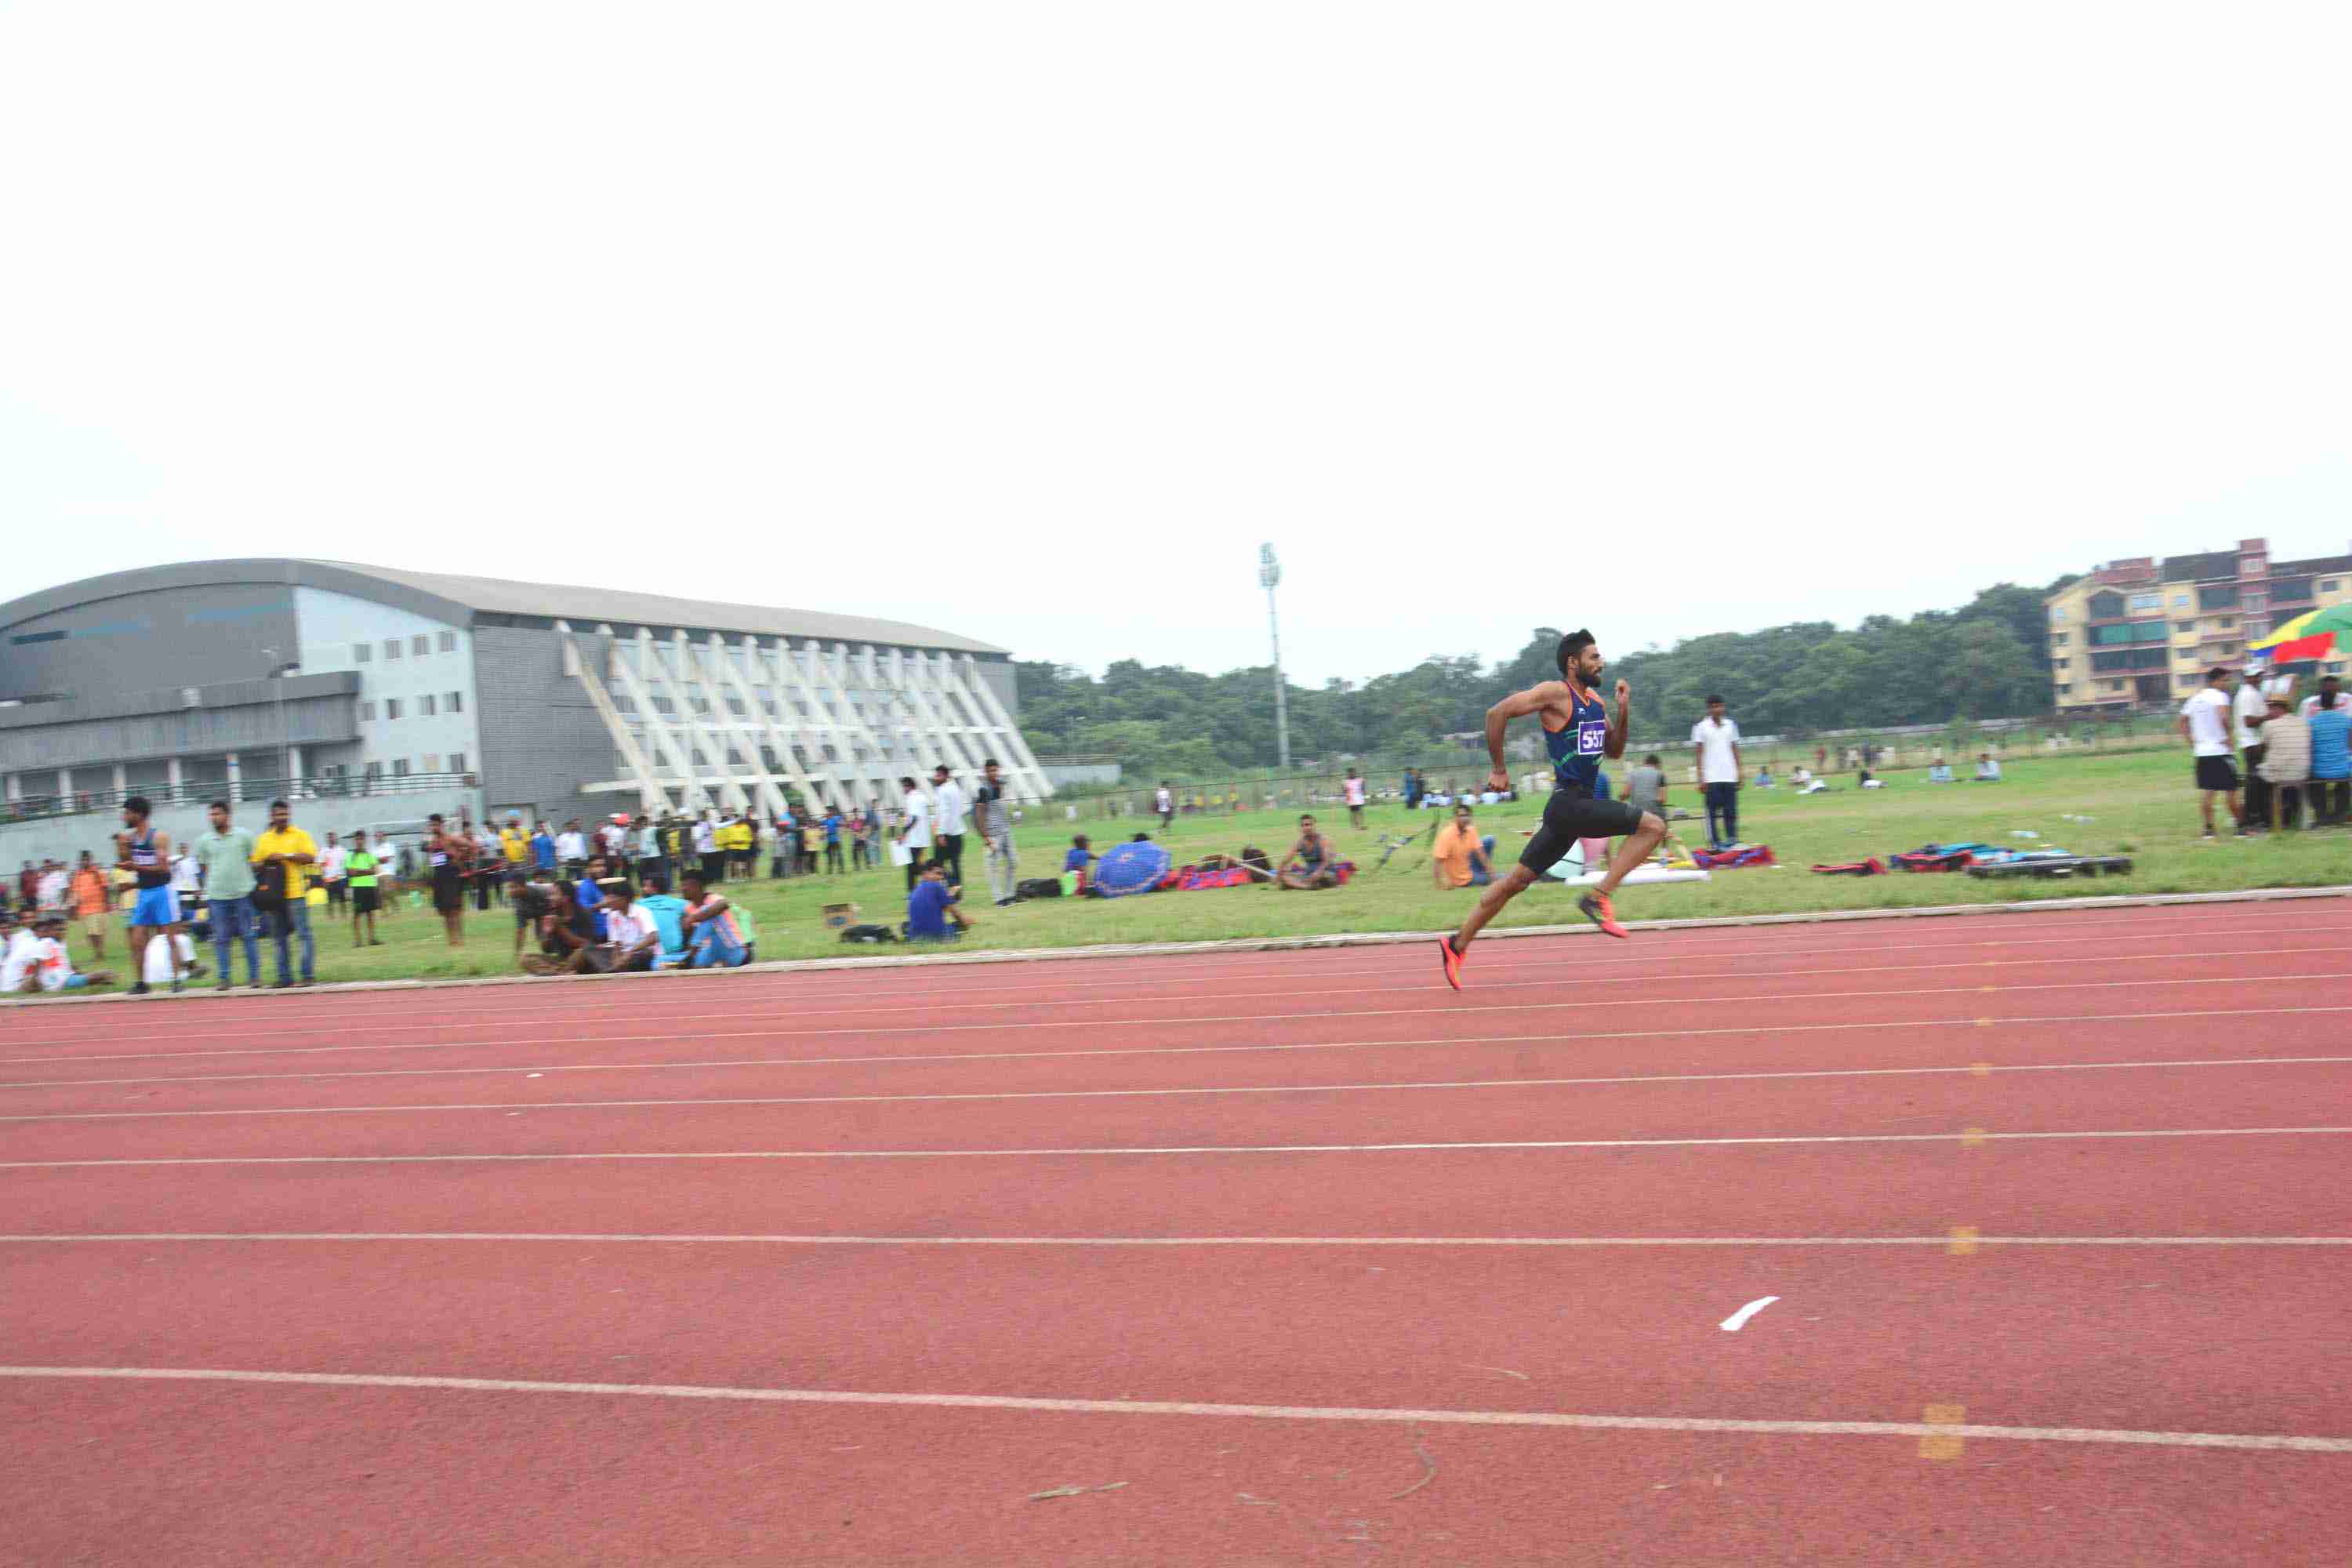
[{"x": 458, "y": 600}]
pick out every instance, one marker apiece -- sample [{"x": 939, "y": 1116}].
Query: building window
[
  {"x": 391, "y": 707},
  {"x": 455, "y": 703},
  {"x": 456, "y": 762},
  {"x": 432, "y": 762},
  {"x": 2256, "y": 602},
  {"x": 2057, "y": 639},
  {"x": 375, "y": 770},
  {"x": 2064, "y": 688},
  {"x": 2179, "y": 601},
  {"x": 2058, "y": 615},
  {"x": 2115, "y": 685},
  {"x": 2184, "y": 627},
  {"x": 2251, "y": 565},
  {"x": 2106, "y": 606},
  {"x": 2328, "y": 586},
  {"x": 367, "y": 712},
  {"x": 2228, "y": 648},
  {"x": 420, "y": 645},
  {"x": 392, "y": 647},
  {"x": 2141, "y": 602},
  {"x": 449, "y": 645},
  {"x": 2228, "y": 622},
  {"x": 2058, "y": 664},
  {"x": 2217, "y": 598},
  {"x": 425, "y": 710},
  {"x": 2256, "y": 625},
  {"x": 361, "y": 652},
  {"x": 400, "y": 767}
]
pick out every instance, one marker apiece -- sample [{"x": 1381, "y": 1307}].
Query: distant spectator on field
[
  {"x": 1308, "y": 864},
  {"x": 91, "y": 894},
  {"x": 1353, "y": 789},
  {"x": 2312, "y": 703},
  {"x": 282, "y": 858},
  {"x": 1941, "y": 773},
  {"x": 2205, "y": 725},
  {"x": 1078, "y": 861},
  {"x": 1163, "y": 801},
  {"x": 612, "y": 836},
  {"x": 224, "y": 855},
  {"x": 332, "y": 875},
  {"x": 832, "y": 824},
  {"x": 567, "y": 933},
  {"x": 53, "y": 885},
  {"x": 632, "y": 936},
  {"x": 2329, "y": 718},
  {"x": 669, "y": 913},
  {"x": 952, "y": 807},
  {"x": 1714, "y": 752},
  {"x": 992, "y": 815},
  {"x": 812, "y": 838},
  {"x": 931, "y": 907},
  {"x": 1988, "y": 770},
  {"x": 571, "y": 848},
  {"x": 41, "y": 962},
  {"x": 543, "y": 849},
  {"x": 1460, "y": 857},
  {"x": 2250, "y": 709},
  {"x": 2286, "y": 761},
  {"x": 1764, "y": 777},
  {"x": 914, "y": 828},
  {"x": 714, "y": 938},
  {"x": 707, "y": 855},
  {"x": 1645, "y": 788}
]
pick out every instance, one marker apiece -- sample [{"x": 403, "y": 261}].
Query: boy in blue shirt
[
  {"x": 1078, "y": 861},
  {"x": 931, "y": 908}
]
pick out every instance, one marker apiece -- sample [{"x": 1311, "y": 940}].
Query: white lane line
[
  {"x": 474, "y": 1020},
  {"x": 1739, "y": 1320},
  {"x": 569, "y": 1237},
  {"x": 1169, "y": 1407},
  {"x": 1140, "y": 1151},
  {"x": 1436, "y": 1010},
  {"x": 930, "y": 1056},
  {"x": 1970, "y": 1070}
]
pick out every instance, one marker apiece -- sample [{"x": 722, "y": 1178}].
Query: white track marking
[
  {"x": 1548, "y": 1039},
  {"x": 1436, "y": 1010},
  {"x": 506, "y": 1020},
  {"x": 1150, "y": 1151},
  {"x": 1169, "y": 1407},
  {"x": 570, "y": 1237},
  {"x": 1739, "y": 1320},
  {"x": 1970, "y": 1070}
]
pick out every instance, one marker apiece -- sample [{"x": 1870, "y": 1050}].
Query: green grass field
[{"x": 2141, "y": 805}]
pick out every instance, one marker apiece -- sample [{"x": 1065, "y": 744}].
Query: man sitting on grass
[
  {"x": 37, "y": 961},
  {"x": 713, "y": 938},
  {"x": 931, "y": 907},
  {"x": 632, "y": 936},
  {"x": 669, "y": 911},
  {"x": 1988, "y": 770},
  {"x": 1460, "y": 857},
  {"x": 1308, "y": 864}
]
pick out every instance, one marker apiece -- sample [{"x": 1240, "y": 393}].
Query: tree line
[{"x": 1988, "y": 659}]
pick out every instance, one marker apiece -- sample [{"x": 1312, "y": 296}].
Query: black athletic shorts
[
  {"x": 2217, "y": 774},
  {"x": 1570, "y": 814},
  {"x": 364, "y": 901}
]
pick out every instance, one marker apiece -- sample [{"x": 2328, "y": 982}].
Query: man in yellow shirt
[
  {"x": 282, "y": 858},
  {"x": 1460, "y": 858},
  {"x": 514, "y": 844}
]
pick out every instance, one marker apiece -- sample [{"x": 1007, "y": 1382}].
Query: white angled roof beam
[
  {"x": 624, "y": 740},
  {"x": 1017, "y": 758}
]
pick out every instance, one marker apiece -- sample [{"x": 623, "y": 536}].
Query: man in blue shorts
[
  {"x": 1578, "y": 732},
  {"x": 147, "y": 855}
]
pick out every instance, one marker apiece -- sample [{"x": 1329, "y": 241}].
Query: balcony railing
[{"x": 246, "y": 792}]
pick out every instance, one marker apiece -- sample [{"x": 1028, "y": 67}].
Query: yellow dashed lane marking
[
  {"x": 1964, "y": 1241},
  {"x": 1972, "y": 1138},
  {"x": 1942, "y": 1415},
  {"x": 1981, "y": 1069}
]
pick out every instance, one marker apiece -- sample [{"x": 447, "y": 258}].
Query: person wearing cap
[{"x": 2287, "y": 759}]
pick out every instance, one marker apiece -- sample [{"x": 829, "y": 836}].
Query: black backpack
[
  {"x": 870, "y": 933},
  {"x": 1039, "y": 888},
  {"x": 269, "y": 886}
]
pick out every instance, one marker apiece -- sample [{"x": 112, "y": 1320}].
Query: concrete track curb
[{"x": 1237, "y": 944}]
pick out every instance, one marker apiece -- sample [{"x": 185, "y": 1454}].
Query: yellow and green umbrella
[{"x": 2312, "y": 635}]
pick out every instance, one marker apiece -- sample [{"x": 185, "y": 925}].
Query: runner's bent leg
[{"x": 1635, "y": 850}]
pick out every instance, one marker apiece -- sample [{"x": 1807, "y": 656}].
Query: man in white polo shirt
[
  {"x": 1715, "y": 744},
  {"x": 2205, "y": 725}
]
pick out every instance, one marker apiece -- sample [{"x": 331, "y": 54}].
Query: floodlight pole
[{"x": 1269, "y": 573}]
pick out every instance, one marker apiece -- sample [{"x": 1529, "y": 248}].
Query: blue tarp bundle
[{"x": 1136, "y": 867}]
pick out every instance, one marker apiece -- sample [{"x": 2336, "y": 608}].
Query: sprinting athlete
[
  {"x": 147, "y": 855},
  {"x": 1578, "y": 732}
]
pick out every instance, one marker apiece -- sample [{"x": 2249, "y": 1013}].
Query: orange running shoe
[
  {"x": 1598, "y": 909},
  {"x": 1453, "y": 961}
]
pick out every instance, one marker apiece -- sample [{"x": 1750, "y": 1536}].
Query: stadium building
[{"x": 330, "y": 682}]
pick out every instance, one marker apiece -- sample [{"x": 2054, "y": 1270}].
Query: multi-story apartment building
[{"x": 2145, "y": 630}]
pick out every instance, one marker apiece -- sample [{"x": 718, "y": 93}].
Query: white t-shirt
[
  {"x": 625, "y": 931},
  {"x": 1355, "y": 792},
  {"x": 24, "y": 951},
  {"x": 706, "y": 837},
  {"x": 918, "y": 813},
  {"x": 951, "y": 806},
  {"x": 186, "y": 874},
  {"x": 52, "y": 889},
  {"x": 570, "y": 847},
  {"x": 2249, "y": 705},
  {"x": 613, "y": 834},
  {"x": 1716, "y": 763},
  {"x": 1163, "y": 801},
  {"x": 2208, "y": 713},
  {"x": 331, "y": 863}
]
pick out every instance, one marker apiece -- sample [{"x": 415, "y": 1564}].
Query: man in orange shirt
[
  {"x": 1460, "y": 858},
  {"x": 88, "y": 893}
]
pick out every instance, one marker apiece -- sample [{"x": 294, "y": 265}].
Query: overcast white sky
[{"x": 1031, "y": 320}]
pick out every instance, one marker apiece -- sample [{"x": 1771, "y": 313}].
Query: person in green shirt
[
  {"x": 224, "y": 855},
  {"x": 363, "y": 867}
]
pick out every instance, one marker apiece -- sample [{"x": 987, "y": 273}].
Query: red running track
[{"x": 1298, "y": 1256}]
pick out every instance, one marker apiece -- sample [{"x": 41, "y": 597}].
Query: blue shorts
[
  {"x": 156, "y": 907},
  {"x": 76, "y": 980}
]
